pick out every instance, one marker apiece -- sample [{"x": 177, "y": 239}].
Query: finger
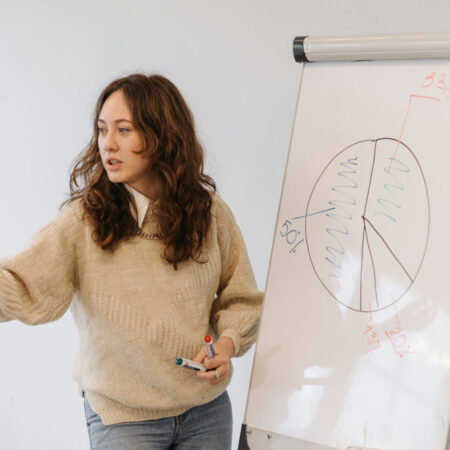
[
  {"x": 220, "y": 376},
  {"x": 208, "y": 375},
  {"x": 213, "y": 381},
  {"x": 200, "y": 356},
  {"x": 216, "y": 376},
  {"x": 218, "y": 360}
]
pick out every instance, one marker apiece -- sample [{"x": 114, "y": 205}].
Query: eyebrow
[{"x": 116, "y": 121}]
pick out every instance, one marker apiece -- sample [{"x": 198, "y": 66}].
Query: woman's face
[{"x": 118, "y": 142}]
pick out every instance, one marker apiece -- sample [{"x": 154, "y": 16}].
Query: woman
[{"x": 150, "y": 260}]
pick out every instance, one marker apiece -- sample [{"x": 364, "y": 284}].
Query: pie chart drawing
[{"x": 367, "y": 251}]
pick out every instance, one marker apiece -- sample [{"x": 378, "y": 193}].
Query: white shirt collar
[{"x": 142, "y": 203}]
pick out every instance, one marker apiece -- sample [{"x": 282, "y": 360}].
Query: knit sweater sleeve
[
  {"x": 36, "y": 285},
  {"x": 237, "y": 307}
]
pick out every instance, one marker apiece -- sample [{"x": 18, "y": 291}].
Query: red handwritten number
[
  {"x": 395, "y": 336},
  {"x": 429, "y": 80},
  {"x": 441, "y": 84},
  {"x": 399, "y": 342},
  {"x": 373, "y": 339}
]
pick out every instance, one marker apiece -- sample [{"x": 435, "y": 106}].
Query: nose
[{"x": 109, "y": 142}]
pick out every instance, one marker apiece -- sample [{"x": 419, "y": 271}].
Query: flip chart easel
[{"x": 353, "y": 349}]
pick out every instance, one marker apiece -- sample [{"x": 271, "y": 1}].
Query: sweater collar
[{"x": 142, "y": 203}]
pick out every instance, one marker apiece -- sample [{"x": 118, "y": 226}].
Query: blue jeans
[{"x": 205, "y": 427}]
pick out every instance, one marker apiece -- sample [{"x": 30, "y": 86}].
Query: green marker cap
[{"x": 179, "y": 361}]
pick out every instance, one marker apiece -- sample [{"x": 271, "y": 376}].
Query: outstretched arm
[{"x": 36, "y": 285}]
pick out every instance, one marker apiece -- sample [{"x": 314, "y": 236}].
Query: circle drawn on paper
[{"x": 368, "y": 250}]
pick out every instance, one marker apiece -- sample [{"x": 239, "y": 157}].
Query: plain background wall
[{"x": 232, "y": 61}]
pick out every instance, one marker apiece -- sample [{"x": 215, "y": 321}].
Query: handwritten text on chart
[
  {"x": 396, "y": 337},
  {"x": 438, "y": 83},
  {"x": 291, "y": 233}
]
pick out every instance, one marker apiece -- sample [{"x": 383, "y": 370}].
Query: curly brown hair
[{"x": 162, "y": 117}]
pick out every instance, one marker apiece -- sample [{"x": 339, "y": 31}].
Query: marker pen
[
  {"x": 208, "y": 340},
  {"x": 182, "y": 362}
]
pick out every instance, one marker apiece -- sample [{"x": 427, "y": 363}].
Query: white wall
[{"x": 233, "y": 62}]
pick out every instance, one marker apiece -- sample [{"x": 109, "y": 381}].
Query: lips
[{"x": 113, "y": 161}]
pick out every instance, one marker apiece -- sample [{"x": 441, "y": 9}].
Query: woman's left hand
[{"x": 219, "y": 366}]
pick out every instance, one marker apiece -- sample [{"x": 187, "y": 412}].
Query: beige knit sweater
[{"x": 135, "y": 314}]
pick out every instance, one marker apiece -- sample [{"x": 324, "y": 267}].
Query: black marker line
[
  {"x": 361, "y": 267},
  {"x": 389, "y": 248},
  {"x": 364, "y": 229},
  {"x": 373, "y": 266}
]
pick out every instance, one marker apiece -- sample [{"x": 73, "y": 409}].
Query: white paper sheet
[{"x": 354, "y": 345}]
